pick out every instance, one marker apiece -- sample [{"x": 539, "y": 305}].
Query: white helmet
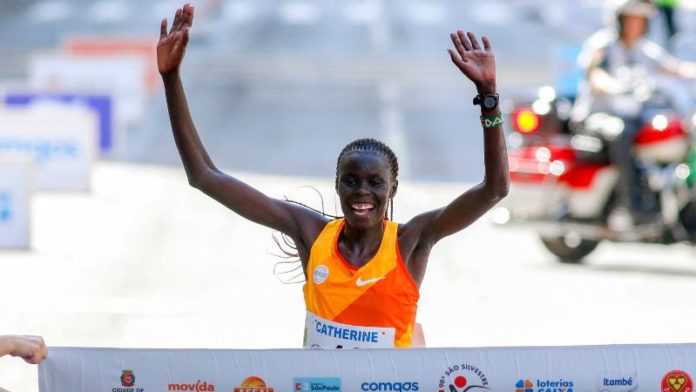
[{"x": 635, "y": 8}]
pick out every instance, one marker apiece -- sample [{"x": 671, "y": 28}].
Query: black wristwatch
[{"x": 487, "y": 102}]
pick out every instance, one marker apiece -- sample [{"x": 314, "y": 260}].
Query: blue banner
[{"x": 102, "y": 105}]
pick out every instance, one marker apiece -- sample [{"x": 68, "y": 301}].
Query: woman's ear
[{"x": 394, "y": 188}]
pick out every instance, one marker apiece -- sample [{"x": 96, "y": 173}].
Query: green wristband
[{"x": 492, "y": 122}]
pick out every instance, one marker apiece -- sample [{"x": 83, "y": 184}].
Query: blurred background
[{"x": 102, "y": 242}]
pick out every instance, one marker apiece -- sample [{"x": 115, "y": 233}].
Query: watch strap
[
  {"x": 492, "y": 122},
  {"x": 480, "y": 99}
]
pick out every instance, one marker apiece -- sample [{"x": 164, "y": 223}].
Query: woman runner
[{"x": 362, "y": 271}]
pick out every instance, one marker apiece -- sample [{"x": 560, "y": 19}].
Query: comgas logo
[{"x": 389, "y": 386}]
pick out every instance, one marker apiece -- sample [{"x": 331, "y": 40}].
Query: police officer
[{"x": 614, "y": 59}]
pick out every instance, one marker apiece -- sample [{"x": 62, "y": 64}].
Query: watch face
[{"x": 489, "y": 102}]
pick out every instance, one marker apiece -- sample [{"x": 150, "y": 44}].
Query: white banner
[
  {"x": 15, "y": 193},
  {"x": 122, "y": 77},
  {"x": 667, "y": 368},
  {"x": 60, "y": 140}
]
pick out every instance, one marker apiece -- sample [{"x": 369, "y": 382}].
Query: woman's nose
[{"x": 363, "y": 188}]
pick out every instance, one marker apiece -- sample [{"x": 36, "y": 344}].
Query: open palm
[
  {"x": 172, "y": 46},
  {"x": 477, "y": 63}
]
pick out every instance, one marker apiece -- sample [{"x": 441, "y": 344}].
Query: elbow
[
  {"x": 499, "y": 190},
  {"x": 199, "y": 179},
  {"x": 500, "y": 194},
  {"x": 195, "y": 182}
]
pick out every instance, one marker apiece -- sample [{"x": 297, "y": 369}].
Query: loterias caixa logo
[
  {"x": 677, "y": 381},
  {"x": 127, "y": 382},
  {"x": 462, "y": 378},
  {"x": 539, "y": 385}
]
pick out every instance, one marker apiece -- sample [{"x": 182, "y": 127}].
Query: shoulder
[
  {"x": 310, "y": 223},
  {"x": 652, "y": 50},
  {"x": 601, "y": 39},
  {"x": 599, "y": 42}
]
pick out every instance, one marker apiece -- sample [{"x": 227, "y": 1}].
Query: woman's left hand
[{"x": 478, "y": 64}]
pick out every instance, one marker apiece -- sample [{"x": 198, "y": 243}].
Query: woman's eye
[
  {"x": 376, "y": 183},
  {"x": 348, "y": 181}
]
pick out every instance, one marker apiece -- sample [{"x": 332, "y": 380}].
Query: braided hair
[
  {"x": 290, "y": 270},
  {"x": 378, "y": 147}
]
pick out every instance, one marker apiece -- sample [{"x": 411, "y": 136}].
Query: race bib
[{"x": 322, "y": 333}]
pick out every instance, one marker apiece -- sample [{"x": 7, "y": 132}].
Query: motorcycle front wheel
[{"x": 569, "y": 250}]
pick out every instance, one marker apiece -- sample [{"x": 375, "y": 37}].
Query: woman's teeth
[{"x": 362, "y": 208}]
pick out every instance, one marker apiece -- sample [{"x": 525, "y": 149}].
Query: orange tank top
[{"x": 350, "y": 307}]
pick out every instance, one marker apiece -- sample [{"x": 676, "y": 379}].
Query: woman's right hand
[
  {"x": 30, "y": 348},
  {"x": 171, "y": 47}
]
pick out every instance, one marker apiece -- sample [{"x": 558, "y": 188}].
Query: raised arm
[
  {"x": 299, "y": 223},
  {"x": 478, "y": 64}
]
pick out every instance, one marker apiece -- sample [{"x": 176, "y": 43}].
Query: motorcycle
[{"x": 564, "y": 186}]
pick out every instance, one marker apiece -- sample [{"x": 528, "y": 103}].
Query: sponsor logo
[
  {"x": 41, "y": 149},
  {"x": 390, "y": 386},
  {"x": 127, "y": 382},
  {"x": 321, "y": 273},
  {"x": 618, "y": 383},
  {"x": 361, "y": 283},
  {"x": 461, "y": 378},
  {"x": 128, "y": 378},
  {"x": 677, "y": 381},
  {"x": 5, "y": 206},
  {"x": 332, "y": 384},
  {"x": 526, "y": 385},
  {"x": 253, "y": 384},
  {"x": 197, "y": 387}
]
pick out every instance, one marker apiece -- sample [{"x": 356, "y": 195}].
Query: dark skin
[{"x": 364, "y": 184}]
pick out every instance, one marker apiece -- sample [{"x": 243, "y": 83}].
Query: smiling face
[{"x": 364, "y": 186}]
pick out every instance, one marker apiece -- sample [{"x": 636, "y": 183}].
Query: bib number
[{"x": 322, "y": 333}]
